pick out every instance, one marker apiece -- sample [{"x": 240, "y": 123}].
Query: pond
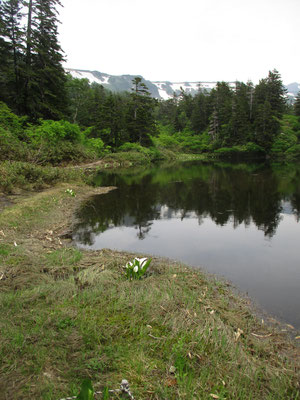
[{"x": 240, "y": 221}]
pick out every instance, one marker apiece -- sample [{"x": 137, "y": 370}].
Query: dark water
[{"x": 240, "y": 221}]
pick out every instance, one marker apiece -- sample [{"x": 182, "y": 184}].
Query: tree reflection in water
[{"x": 225, "y": 193}]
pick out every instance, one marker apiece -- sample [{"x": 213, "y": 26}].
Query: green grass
[
  {"x": 65, "y": 256},
  {"x": 25, "y": 175},
  {"x": 107, "y": 328},
  {"x": 67, "y": 315}
]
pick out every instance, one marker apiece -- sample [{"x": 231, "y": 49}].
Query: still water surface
[{"x": 240, "y": 221}]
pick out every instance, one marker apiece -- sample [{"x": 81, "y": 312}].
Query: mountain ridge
[{"x": 162, "y": 90}]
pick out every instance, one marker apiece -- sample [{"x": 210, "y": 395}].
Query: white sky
[{"x": 183, "y": 40}]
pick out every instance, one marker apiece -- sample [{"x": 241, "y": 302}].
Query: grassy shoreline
[
  {"x": 69, "y": 315},
  {"x": 18, "y": 175}
]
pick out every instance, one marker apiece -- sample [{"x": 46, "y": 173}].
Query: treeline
[
  {"x": 56, "y": 117},
  {"x": 227, "y": 118},
  {"x": 117, "y": 118}
]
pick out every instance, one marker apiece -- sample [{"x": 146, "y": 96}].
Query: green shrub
[
  {"x": 60, "y": 141},
  {"x": 133, "y": 147},
  {"x": 127, "y": 158},
  {"x": 290, "y": 128},
  {"x": 158, "y": 154},
  {"x": 293, "y": 153},
  {"x": 10, "y": 121},
  {"x": 11, "y": 148},
  {"x": 64, "y": 151},
  {"x": 190, "y": 143},
  {"x": 292, "y": 122},
  {"x": 248, "y": 149},
  {"x": 95, "y": 144},
  {"x": 225, "y": 151},
  {"x": 54, "y": 132},
  {"x": 165, "y": 140},
  {"x": 30, "y": 176},
  {"x": 147, "y": 154},
  {"x": 283, "y": 142},
  {"x": 165, "y": 129},
  {"x": 251, "y": 147}
]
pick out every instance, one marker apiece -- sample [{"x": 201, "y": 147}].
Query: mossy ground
[{"x": 68, "y": 314}]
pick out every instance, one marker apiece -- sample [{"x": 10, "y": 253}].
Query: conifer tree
[
  {"x": 166, "y": 111},
  {"x": 214, "y": 126},
  {"x": 32, "y": 79},
  {"x": 46, "y": 95},
  {"x": 239, "y": 129},
  {"x": 221, "y": 100},
  {"x": 266, "y": 126},
  {"x": 199, "y": 116},
  {"x": 4, "y": 57},
  {"x": 184, "y": 111},
  {"x": 140, "y": 114},
  {"x": 269, "y": 104},
  {"x": 11, "y": 51},
  {"x": 114, "y": 120},
  {"x": 276, "y": 93},
  {"x": 297, "y": 105}
]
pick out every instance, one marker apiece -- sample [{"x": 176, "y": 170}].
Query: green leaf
[
  {"x": 87, "y": 391},
  {"x": 105, "y": 394},
  {"x": 146, "y": 265}
]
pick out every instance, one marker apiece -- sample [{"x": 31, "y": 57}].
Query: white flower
[
  {"x": 136, "y": 268},
  {"x": 141, "y": 261}
]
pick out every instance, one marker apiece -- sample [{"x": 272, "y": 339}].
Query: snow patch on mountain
[
  {"x": 90, "y": 76},
  {"x": 159, "y": 89}
]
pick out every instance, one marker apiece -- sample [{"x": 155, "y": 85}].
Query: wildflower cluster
[
  {"x": 137, "y": 268},
  {"x": 71, "y": 192}
]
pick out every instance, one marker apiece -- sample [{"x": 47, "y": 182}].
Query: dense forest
[{"x": 46, "y": 116}]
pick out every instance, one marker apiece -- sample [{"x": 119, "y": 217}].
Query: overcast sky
[{"x": 183, "y": 40}]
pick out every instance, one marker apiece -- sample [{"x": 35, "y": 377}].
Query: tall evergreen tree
[
  {"x": 114, "y": 119},
  {"x": 266, "y": 126},
  {"x": 140, "y": 114},
  {"x": 239, "y": 128},
  {"x": 28, "y": 57},
  {"x": 276, "y": 93},
  {"x": 11, "y": 50},
  {"x": 297, "y": 105},
  {"x": 220, "y": 100},
  {"x": 199, "y": 115},
  {"x": 47, "y": 90},
  {"x": 4, "y": 57},
  {"x": 269, "y": 105},
  {"x": 214, "y": 126},
  {"x": 166, "y": 111},
  {"x": 184, "y": 111},
  {"x": 32, "y": 79}
]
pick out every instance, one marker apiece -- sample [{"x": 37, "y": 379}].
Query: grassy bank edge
[{"x": 18, "y": 175}]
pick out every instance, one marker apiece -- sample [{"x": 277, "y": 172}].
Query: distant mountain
[
  {"x": 158, "y": 89},
  {"x": 292, "y": 90}
]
